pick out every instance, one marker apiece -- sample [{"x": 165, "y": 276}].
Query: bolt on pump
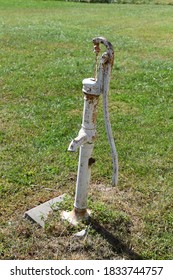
[{"x": 92, "y": 89}]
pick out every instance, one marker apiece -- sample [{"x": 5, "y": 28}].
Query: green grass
[{"x": 46, "y": 52}]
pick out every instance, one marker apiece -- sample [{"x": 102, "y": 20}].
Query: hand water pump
[{"x": 92, "y": 89}]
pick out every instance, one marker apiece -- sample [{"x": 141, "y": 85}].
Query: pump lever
[{"x": 103, "y": 80}]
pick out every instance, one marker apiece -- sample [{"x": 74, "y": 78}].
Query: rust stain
[
  {"x": 93, "y": 99},
  {"x": 94, "y": 116},
  {"x": 90, "y": 96}
]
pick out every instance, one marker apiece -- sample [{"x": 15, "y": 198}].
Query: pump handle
[{"x": 106, "y": 64}]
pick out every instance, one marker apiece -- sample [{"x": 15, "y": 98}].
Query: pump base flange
[{"x": 76, "y": 215}]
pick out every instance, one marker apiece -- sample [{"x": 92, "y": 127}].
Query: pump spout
[{"x": 78, "y": 141}]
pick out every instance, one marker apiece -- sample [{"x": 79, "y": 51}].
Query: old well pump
[{"x": 92, "y": 89}]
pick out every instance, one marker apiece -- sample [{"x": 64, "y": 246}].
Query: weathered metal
[
  {"x": 87, "y": 133},
  {"x": 92, "y": 89}
]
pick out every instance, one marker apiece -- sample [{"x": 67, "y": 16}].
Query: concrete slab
[{"x": 39, "y": 214}]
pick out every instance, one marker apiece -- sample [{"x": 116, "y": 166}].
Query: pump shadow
[{"x": 118, "y": 246}]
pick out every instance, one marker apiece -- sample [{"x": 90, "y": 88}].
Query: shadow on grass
[{"x": 117, "y": 245}]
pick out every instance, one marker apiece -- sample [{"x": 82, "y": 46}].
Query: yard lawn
[{"x": 46, "y": 52}]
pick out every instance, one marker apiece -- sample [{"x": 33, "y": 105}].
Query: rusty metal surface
[
  {"x": 87, "y": 133},
  {"x": 108, "y": 45},
  {"x": 76, "y": 215}
]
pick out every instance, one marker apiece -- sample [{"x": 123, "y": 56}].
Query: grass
[{"x": 46, "y": 52}]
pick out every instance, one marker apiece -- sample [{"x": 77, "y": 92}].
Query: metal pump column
[{"x": 92, "y": 89}]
